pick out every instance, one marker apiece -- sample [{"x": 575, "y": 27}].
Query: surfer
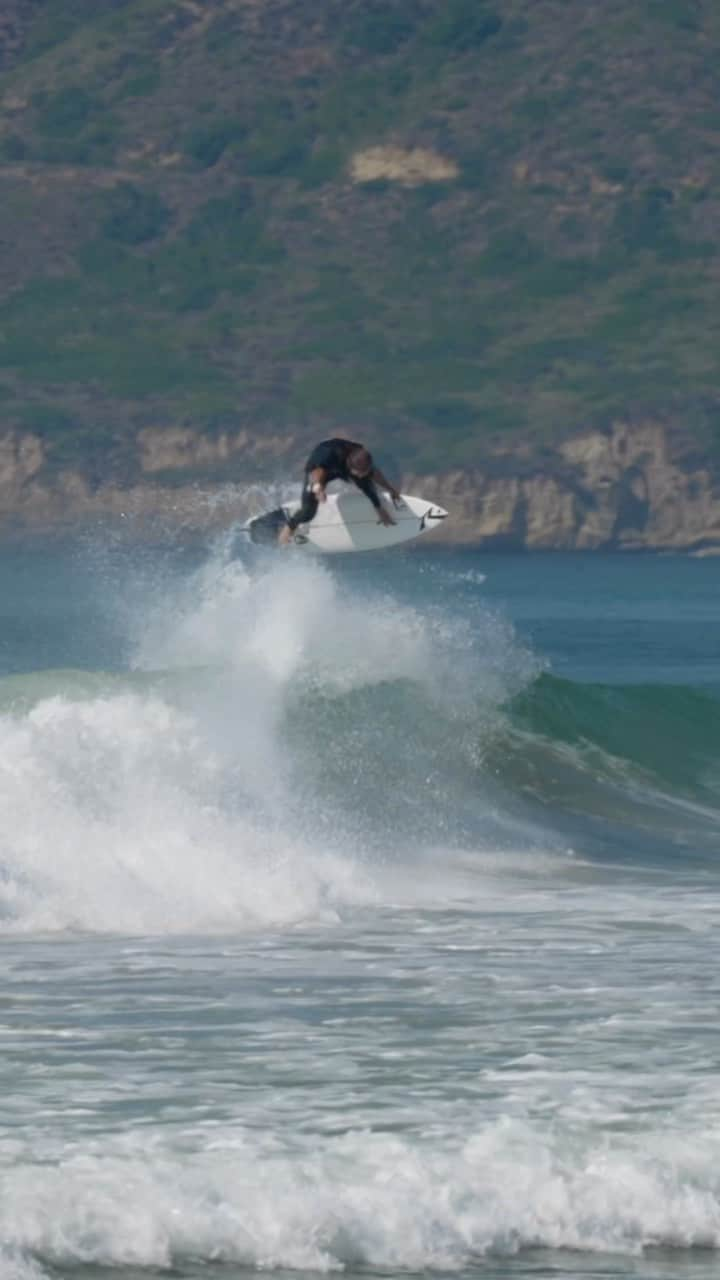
[{"x": 338, "y": 459}]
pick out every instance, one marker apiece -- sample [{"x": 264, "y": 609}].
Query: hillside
[{"x": 460, "y": 223}]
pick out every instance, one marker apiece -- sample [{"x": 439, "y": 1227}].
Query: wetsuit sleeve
[{"x": 366, "y": 484}]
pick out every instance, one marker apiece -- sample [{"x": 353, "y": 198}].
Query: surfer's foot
[{"x": 285, "y": 536}]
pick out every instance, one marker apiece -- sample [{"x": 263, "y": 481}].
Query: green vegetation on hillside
[{"x": 183, "y": 237}]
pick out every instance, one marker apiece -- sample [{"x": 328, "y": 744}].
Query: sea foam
[
  {"x": 362, "y": 1199},
  {"x": 180, "y": 798}
]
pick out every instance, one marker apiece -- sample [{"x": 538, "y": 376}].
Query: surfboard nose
[{"x": 432, "y": 516}]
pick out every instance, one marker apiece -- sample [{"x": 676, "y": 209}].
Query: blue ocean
[{"x": 358, "y": 914}]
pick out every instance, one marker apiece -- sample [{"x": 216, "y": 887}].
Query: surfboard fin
[{"x": 432, "y": 513}]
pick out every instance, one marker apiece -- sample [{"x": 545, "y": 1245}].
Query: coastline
[{"x": 632, "y": 487}]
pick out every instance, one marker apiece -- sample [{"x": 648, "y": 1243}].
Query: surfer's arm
[
  {"x": 317, "y": 480},
  {"x": 379, "y": 478},
  {"x": 366, "y": 484}
]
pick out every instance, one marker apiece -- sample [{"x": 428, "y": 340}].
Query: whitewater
[{"x": 358, "y": 916}]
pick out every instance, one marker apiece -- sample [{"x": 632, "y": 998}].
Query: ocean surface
[{"x": 358, "y": 915}]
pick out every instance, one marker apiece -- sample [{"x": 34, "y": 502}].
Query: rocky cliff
[{"x": 631, "y": 487}]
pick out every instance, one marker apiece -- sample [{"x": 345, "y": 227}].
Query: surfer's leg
[
  {"x": 307, "y": 512},
  {"x": 308, "y": 508}
]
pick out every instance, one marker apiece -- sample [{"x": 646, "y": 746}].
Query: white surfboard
[{"x": 347, "y": 521}]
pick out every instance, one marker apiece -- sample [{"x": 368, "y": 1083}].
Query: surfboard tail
[{"x": 263, "y": 530}]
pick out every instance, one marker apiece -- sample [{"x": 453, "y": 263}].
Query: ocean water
[{"x": 358, "y": 915}]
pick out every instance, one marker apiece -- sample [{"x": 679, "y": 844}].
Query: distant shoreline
[{"x": 631, "y": 487}]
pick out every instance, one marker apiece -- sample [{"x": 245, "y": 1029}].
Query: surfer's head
[{"x": 360, "y": 462}]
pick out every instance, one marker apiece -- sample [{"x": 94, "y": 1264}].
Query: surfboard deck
[{"x": 347, "y": 521}]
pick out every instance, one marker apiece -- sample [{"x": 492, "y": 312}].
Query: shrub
[
  {"x": 683, "y": 14},
  {"x": 141, "y": 84},
  {"x": 446, "y": 415},
  {"x": 133, "y": 215},
  {"x": 208, "y": 143},
  {"x": 63, "y": 114},
  {"x": 223, "y": 240},
  {"x": 507, "y": 252},
  {"x": 355, "y": 104},
  {"x": 111, "y": 269},
  {"x": 55, "y": 20},
  {"x": 222, "y": 33},
  {"x": 475, "y": 168},
  {"x": 276, "y": 153},
  {"x": 220, "y": 218},
  {"x": 463, "y": 25},
  {"x": 321, "y": 166},
  {"x": 199, "y": 297},
  {"x": 13, "y": 148},
  {"x": 644, "y": 221},
  {"x": 555, "y": 277},
  {"x": 47, "y": 420},
  {"x": 380, "y": 27}
]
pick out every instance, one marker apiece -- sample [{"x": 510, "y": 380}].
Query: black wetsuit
[{"x": 332, "y": 456}]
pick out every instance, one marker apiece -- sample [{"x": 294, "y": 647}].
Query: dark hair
[{"x": 360, "y": 459}]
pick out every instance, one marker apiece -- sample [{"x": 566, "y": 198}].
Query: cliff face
[
  {"x": 624, "y": 489},
  {"x": 620, "y": 490}
]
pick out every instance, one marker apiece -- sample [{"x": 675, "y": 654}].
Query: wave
[
  {"x": 642, "y": 758},
  {"x": 668, "y": 733},
  {"x": 281, "y": 734},
  {"x": 275, "y": 728},
  {"x": 360, "y": 1200}
]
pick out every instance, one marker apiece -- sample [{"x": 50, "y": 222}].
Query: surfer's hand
[
  {"x": 384, "y": 517},
  {"x": 397, "y": 500}
]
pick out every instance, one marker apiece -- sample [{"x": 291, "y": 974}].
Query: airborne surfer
[{"x": 338, "y": 459}]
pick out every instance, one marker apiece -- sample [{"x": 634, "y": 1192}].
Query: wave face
[
  {"x": 634, "y": 758},
  {"x": 667, "y": 734}
]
